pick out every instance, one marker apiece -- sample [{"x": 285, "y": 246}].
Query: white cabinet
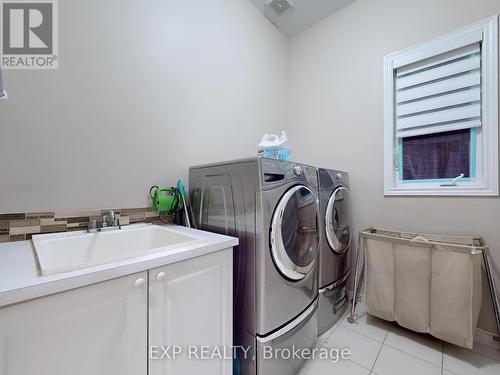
[
  {"x": 100, "y": 329},
  {"x": 190, "y": 307}
]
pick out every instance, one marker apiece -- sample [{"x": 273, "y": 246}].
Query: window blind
[{"x": 439, "y": 94}]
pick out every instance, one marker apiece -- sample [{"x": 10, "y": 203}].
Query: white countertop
[{"x": 20, "y": 280}]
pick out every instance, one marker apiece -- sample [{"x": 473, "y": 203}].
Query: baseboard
[
  {"x": 485, "y": 345},
  {"x": 360, "y": 298}
]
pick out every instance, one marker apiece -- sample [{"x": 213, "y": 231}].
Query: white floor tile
[
  {"x": 418, "y": 345},
  {"x": 465, "y": 362},
  {"x": 326, "y": 367},
  {"x": 492, "y": 352},
  {"x": 369, "y": 326},
  {"x": 393, "y": 362},
  {"x": 364, "y": 350},
  {"x": 322, "y": 339}
]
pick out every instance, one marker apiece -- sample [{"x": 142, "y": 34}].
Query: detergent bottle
[{"x": 274, "y": 146}]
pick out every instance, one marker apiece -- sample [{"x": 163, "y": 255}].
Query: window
[{"x": 441, "y": 115}]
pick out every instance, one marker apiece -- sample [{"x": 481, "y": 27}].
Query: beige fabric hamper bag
[
  {"x": 413, "y": 286},
  {"x": 379, "y": 285},
  {"x": 426, "y": 283},
  {"x": 455, "y": 295}
]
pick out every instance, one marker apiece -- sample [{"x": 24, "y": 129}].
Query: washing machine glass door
[
  {"x": 294, "y": 233},
  {"x": 337, "y": 230}
]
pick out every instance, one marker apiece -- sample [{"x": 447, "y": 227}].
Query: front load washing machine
[
  {"x": 335, "y": 241},
  {"x": 272, "y": 207}
]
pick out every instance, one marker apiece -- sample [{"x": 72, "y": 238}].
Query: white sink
[{"x": 63, "y": 252}]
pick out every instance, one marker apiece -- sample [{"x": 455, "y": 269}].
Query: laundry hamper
[{"x": 426, "y": 283}]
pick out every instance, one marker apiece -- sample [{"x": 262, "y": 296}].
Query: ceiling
[{"x": 303, "y": 15}]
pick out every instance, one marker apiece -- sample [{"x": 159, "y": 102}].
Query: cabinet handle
[
  {"x": 160, "y": 276},
  {"x": 139, "y": 282}
]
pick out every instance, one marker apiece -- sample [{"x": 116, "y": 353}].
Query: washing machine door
[
  {"x": 338, "y": 232},
  {"x": 294, "y": 233}
]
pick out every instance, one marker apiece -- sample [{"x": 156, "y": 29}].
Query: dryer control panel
[{"x": 330, "y": 179}]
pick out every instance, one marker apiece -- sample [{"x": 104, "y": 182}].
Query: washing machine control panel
[
  {"x": 307, "y": 173},
  {"x": 275, "y": 171},
  {"x": 298, "y": 170}
]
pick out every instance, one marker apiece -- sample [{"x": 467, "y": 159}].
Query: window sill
[{"x": 442, "y": 191}]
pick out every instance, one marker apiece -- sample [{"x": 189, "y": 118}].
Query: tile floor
[{"x": 382, "y": 348}]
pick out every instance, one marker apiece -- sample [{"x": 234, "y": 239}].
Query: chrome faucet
[
  {"x": 113, "y": 220},
  {"x": 107, "y": 217}
]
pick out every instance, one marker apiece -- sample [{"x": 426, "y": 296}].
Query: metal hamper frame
[{"x": 358, "y": 281}]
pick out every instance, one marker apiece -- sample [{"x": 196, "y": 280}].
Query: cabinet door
[
  {"x": 99, "y": 329},
  {"x": 191, "y": 306}
]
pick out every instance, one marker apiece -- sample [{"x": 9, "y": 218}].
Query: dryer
[
  {"x": 272, "y": 207},
  {"x": 335, "y": 241}
]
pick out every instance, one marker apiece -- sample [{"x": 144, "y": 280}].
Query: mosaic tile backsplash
[{"x": 22, "y": 226}]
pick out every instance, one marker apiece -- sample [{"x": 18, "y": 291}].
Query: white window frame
[
  {"x": 486, "y": 181},
  {"x": 3, "y": 94}
]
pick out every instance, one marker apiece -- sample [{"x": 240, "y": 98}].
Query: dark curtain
[{"x": 433, "y": 156}]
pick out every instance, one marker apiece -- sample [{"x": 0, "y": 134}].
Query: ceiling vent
[{"x": 280, "y": 6}]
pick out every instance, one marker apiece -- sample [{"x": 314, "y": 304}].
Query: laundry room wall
[
  {"x": 336, "y": 113},
  {"x": 144, "y": 89}
]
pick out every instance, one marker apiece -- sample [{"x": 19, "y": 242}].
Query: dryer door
[
  {"x": 337, "y": 230},
  {"x": 294, "y": 233}
]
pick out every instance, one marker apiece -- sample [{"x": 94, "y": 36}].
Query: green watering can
[{"x": 165, "y": 199}]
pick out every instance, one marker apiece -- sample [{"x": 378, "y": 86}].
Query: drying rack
[{"x": 359, "y": 273}]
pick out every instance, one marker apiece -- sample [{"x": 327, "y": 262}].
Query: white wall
[
  {"x": 145, "y": 89},
  {"x": 336, "y": 118}
]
